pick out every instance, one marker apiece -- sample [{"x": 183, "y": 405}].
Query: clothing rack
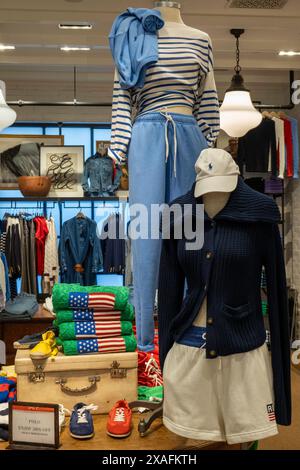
[{"x": 46, "y": 206}]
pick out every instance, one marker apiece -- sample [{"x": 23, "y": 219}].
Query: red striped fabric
[
  {"x": 101, "y": 329},
  {"x": 103, "y": 301},
  {"x": 107, "y": 329},
  {"x": 103, "y": 316},
  {"x": 111, "y": 345}
]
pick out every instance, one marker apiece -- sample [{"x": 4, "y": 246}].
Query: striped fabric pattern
[
  {"x": 96, "y": 301},
  {"x": 99, "y": 329},
  {"x": 110, "y": 345},
  {"x": 183, "y": 76},
  {"x": 90, "y": 315}
]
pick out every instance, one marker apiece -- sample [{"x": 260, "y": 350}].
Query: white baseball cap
[{"x": 216, "y": 172}]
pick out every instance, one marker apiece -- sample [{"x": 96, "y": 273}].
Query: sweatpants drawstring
[{"x": 169, "y": 119}]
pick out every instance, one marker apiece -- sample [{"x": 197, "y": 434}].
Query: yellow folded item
[
  {"x": 8, "y": 371},
  {"x": 45, "y": 348}
]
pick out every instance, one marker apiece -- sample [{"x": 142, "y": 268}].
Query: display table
[
  {"x": 11, "y": 330},
  {"x": 157, "y": 438}
]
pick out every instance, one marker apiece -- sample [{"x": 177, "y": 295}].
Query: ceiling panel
[{"x": 32, "y": 26}]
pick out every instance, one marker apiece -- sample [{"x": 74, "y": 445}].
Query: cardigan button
[
  {"x": 209, "y": 255},
  {"x": 210, "y": 321},
  {"x": 212, "y": 353}
]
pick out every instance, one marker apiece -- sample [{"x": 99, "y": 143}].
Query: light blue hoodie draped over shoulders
[{"x": 133, "y": 43}]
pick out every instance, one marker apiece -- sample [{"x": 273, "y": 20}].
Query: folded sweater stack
[{"x": 93, "y": 319}]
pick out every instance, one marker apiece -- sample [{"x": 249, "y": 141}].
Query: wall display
[
  {"x": 33, "y": 424},
  {"x": 20, "y": 156},
  {"x": 64, "y": 165},
  {"x": 102, "y": 146}
]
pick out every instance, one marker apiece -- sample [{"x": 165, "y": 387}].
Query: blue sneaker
[{"x": 81, "y": 421}]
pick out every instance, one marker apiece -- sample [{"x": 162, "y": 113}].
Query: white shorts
[{"x": 229, "y": 398}]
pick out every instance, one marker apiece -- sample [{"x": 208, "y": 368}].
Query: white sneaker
[{"x": 62, "y": 417}]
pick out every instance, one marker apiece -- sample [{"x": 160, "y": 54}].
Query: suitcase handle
[{"x": 64, "y": 388}]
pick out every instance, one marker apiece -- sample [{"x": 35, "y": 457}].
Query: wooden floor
[{"x": 159, "y": 438}]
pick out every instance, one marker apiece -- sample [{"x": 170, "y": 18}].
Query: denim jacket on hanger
[
  {"x": 80, "y": 251},
  {"x": 98, "y": 177}
]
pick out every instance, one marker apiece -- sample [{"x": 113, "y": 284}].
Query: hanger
[
  {"x": 80, "y": 215},
  {"x": 266, "y": 114},
  {"x": 282, "y": 115}
]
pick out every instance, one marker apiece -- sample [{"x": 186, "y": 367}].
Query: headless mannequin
[
  {"x": 213, "y": 204},
  {"x": 172, "y": 17}
]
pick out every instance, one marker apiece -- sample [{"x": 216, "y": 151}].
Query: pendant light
[
  {"x": 7, "y": 114},
  {"x": 237, "y": 113}
]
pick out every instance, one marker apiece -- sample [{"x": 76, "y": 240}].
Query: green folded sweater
[
  {"x": 62, "y": 300},
  {"x": 69, "y": 315},
  {"x": 101, "y": 346},
  {"x": 94, "y": 329}
]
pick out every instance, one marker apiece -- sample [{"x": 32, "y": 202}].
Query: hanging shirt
[
  {"x": 2, "y": 279},
  {"x": 295, "y": 137},
  {"x": 288, "y": 147},
  {"x": 40, "y": 237},
  {"x": 80, "y": 251},
  {"x": 51, "y": 263},
  {"x": 280, "y": 145},
  {"x": 182, "y": 76},
  {"x": 255, "y": 148}
]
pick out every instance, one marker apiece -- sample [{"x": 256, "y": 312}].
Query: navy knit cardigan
[{"x": 240, "y": 240}]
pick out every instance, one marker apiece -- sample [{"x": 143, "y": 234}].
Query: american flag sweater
[{"x": 94, "y": 329}]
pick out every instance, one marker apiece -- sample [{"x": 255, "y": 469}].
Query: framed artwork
[
  {"x": 20, "y": 156},
  {"x": 64, "y": 165},
  {"x": 102, "y": 146}
]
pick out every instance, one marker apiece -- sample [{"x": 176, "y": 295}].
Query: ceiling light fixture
[
  {"x": 237, "y": 113},
  {"x": 68, "y": 48},
  {"x": 7, "y": 114},
  {"x": 288, "y": 53},
  {"x": 7, "y": 48},
  {"x": 75, "y": 26}
]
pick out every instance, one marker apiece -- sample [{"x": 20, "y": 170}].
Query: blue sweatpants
[{"x": 161, "y": 158}]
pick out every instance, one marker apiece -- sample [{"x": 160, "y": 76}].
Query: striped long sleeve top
[{"x": 182, "y": 76}]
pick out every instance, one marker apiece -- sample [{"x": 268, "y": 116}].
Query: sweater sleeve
[
  {"x": 206, "y": 109},
  {"x": 273, "y": 149},
  {"x": 279, "y": 325},
  {"x": 121, "y": 122},
  {"x": 170, "y": 295}
]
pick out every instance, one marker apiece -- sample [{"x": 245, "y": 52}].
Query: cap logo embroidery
[{"x": 210, "y": 166}]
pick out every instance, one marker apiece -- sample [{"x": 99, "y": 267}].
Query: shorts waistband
[
  {"x": 194, "y": 336},
  {"x": 159, "y": 117}
]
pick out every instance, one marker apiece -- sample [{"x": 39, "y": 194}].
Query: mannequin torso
[
  {"x": 173, "y": 20},
  {"x": 213, "y": 204}
]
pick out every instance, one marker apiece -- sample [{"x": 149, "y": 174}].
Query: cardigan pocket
[{"x": 237, "y": 313}]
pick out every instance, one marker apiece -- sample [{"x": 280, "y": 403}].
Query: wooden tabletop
[{"x": 157, "y": 438}]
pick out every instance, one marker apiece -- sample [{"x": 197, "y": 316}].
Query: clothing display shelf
[{"x": 47, "y": 206}]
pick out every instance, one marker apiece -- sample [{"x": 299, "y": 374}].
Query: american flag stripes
[
  {"x": 111, "y": 345},
  {"x": 271, "y": 412},
  {"x": 91, "y": 315},
  {"x": 99, "y": 329},
  {"x": 96, "y": 301}
]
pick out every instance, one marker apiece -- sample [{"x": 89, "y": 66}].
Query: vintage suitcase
[{"x": 101, "y": 379}]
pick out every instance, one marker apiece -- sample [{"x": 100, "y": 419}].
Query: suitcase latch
[
  {"x": 116, "y": 372},
  {"x": 37, "y": 376}
]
